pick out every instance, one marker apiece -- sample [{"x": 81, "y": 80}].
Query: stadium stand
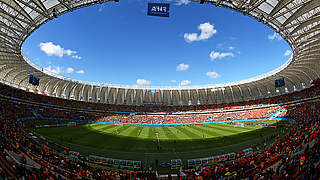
[{"x": 295, "y": 155}]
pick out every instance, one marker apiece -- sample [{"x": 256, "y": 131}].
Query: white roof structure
[{"x": 297, "y": 21}]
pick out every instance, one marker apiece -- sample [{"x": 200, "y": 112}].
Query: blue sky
[{"x": 118, "y": 43}]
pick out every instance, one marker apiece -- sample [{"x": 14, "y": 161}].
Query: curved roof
[{"x": 297, "y": 21}]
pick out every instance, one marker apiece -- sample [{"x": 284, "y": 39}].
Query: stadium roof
[{"x": 297, "y": 21}]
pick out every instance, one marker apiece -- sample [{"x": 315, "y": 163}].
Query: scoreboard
[
  {"x": 158, "y": 9},
  {"x": 279, "y": 82}
]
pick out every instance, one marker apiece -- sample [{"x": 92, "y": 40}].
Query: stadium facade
[{"x": 297, "y": 21}]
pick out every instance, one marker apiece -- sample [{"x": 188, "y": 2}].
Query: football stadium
[{"x": 261, "y": 127}]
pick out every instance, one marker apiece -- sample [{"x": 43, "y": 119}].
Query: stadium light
[
  {"x": 54, "y": 13},
  {"x": 218, "y": 2},
  {"x": 260, "y": 17}
]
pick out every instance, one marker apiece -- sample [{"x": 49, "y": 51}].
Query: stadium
[{"x": 54, "y": 127}]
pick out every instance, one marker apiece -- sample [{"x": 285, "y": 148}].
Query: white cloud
[
  {"x": 76, "y": 57},
  {"x": 69, "y": 70},
  {"x": 69, "y": 52},
  {"x": 219, "y": 55},
  {"x": 206, "y": 31},
  {"x": 55, "y": 50},
  {"x": 213, "y": 75},
  {"x": 61, "y": 70},
  {"x": 173, "y": 81},
  {"x": 184, "y": 82},
  {"x": 143, "y": 82},
  {"x": 182, "y": 2},
  {"x": 55, "y": 70},
  {"x": 287, "y": 53},
  {"x": 182, "y": 67},
  {"x": 231, "y": 48},
  {"x": 80, "y": 72},
  {"x": 190, "y": 37},
  {"x": 50, "y": 49},
  {"x": 274, "y": 36}
]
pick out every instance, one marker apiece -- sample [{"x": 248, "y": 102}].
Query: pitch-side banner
[{"x": 158, "y": 9}]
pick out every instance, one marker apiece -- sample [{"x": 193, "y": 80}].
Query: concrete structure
[{"x": 297, "y": 21}]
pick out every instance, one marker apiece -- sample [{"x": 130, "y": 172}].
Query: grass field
[{"x": 141, "y": 143}]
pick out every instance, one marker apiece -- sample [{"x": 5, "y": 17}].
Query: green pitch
[{"x": 161, "y": 143}]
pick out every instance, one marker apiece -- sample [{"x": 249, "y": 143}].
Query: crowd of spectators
[
  {"x": 34, "y": 97},
  {"x": 296, "y": 155},
  {"x": 54, "y": 165},
  {"x": 236, "y": 112},
  {"x": 194, "y": 118}
]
